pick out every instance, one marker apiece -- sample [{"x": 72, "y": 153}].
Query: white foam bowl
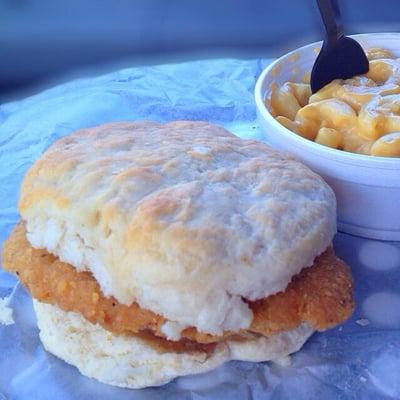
[{"x": 367, "y": 188}]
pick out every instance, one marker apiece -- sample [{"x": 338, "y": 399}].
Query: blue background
[{"x": 43, "y": 42}]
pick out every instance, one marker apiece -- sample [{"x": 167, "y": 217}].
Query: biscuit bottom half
[{"x": 131, "y": 362}]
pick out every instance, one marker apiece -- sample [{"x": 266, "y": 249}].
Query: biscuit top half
[{"x": 185, "y": 218}]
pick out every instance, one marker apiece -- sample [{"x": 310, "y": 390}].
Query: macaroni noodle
[{"x": 360, "y": 115}]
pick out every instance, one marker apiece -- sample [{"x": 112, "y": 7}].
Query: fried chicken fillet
[{"x": 320, "y": 295}]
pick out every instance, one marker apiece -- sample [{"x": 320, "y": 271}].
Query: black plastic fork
[{"x": 340, "y": 57}]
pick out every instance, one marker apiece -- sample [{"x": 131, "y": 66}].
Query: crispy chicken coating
[{"x": 320, "y": 295}]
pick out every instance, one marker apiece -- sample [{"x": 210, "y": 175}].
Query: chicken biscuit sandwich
[{"x": 153, "y": 251}]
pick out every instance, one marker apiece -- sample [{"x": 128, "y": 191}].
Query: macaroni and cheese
[{"x": 360, "y": 115}]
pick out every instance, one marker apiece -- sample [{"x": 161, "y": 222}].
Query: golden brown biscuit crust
[{"x": 162, "y": 208}]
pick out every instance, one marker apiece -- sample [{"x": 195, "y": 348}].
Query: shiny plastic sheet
[{"x": 359, "y": 360}]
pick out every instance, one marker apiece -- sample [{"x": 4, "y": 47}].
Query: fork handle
[{"x": 330, "y": 13}]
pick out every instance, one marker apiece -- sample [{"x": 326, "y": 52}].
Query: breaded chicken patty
[{"x": 320, "y": 295}]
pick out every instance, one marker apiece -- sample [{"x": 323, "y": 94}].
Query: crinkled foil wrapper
[{"x": 359, "y": 360}]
